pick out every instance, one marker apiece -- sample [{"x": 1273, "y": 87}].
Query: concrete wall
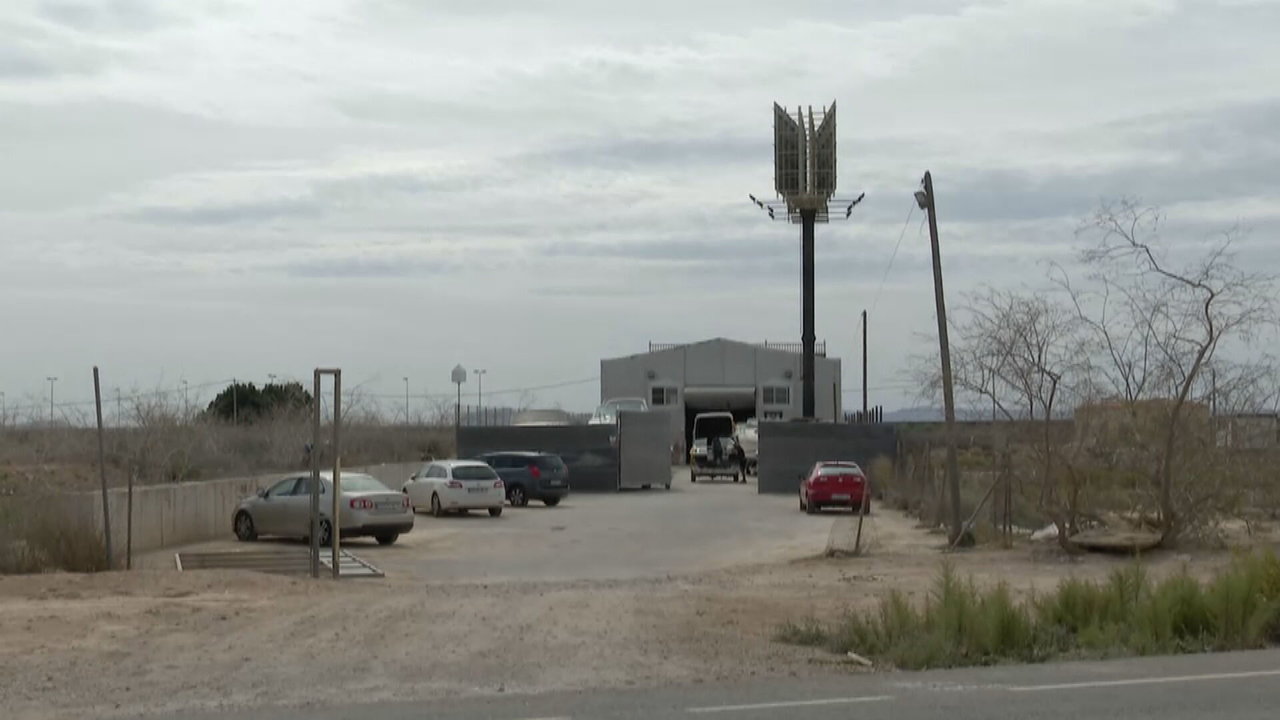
[
  {"x": 180, "y": 513},
  {"x": 588, "y": 450},
  {"x": 721, "y": 363},
  {"x": 788, "y": 450}
]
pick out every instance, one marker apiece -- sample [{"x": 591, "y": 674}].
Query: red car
[{"x": 838, "y": 483}]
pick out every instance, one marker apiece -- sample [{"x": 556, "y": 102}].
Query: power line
[
  {"x": 910, "y": 210},
  {"x": 890, "y": 386},
  {"x": 132, "y": 396},
  {"x": 487, "y": 392}
]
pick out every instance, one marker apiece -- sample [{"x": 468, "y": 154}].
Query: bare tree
[
  {"x": 1158, "y": 325},
  {"x": 1019, "y": 351}
]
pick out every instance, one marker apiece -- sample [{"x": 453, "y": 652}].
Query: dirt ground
[{"x": 154, "y": 641}]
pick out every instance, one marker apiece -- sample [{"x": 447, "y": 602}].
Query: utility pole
[
  {"x": 925, "y": 199},
  {"x": 51, "y": 380},
  {"x": 186, "y": 401},
  {"x": 235, "y": 405},
  {"x": 119, "y": 415},
  {"x": 1213, "y": 392},
  {"x": 4, "y": 411},
  {"x": 864, "y": 363},
  {"x": 406, "y": 400}
]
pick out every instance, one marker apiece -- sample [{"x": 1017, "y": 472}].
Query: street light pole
[
  {"x": 406, "y": 400},
  {"x": 925, "y": 199},
  {"x": 51, "y": 380},
  {"x": 186, "y": 400},
  {"x": 480, "y": 388}
]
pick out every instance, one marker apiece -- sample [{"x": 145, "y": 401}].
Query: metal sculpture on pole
[{"x": 804, "y": 176}]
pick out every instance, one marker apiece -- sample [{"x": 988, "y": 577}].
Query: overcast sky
[{"x": 214, "y": 188}]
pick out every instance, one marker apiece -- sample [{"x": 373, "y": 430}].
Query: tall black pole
[
  {"x": 864, "y": 364},
  {"x": 807, "y": 220},
  {"x": 944, "y": 345}
]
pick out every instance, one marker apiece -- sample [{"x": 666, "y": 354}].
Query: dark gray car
[{"x": 530, "y": 476}]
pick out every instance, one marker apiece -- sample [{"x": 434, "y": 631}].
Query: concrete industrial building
[{"x": 750, "y": 380}]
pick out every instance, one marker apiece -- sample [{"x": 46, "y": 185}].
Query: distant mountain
[
  {"x": 935, "y": 414},
  {"x": 914, "y": 414}
]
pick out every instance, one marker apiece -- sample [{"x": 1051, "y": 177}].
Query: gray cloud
[
  {"x": 356, "y": 267},
  {"x": 106, "y": 15},
  {"x": 582, "y": 165},
  {"x": 32, "y": 53},
  {"x": 248, "y": 212}
]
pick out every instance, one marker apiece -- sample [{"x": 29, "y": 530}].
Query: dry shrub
[
  {"x": 1128, "y": 614},
  {"x": 35, "y": 538}
]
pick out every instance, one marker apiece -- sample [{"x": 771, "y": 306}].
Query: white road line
[
  {"x": 1145, "y": 681},
  {"x": 789, "y": 704}
]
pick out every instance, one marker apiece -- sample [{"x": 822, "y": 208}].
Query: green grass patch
[{"x": 960, "y": 624}]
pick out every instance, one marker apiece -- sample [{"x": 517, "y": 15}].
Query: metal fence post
[
  {"x": 315, "y": 477},
  {"x": 335, "y": 537}
]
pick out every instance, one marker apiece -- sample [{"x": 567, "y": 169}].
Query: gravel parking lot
[
  {"x": 593, "y": 536},
  {"x": 612, "y": 590}
]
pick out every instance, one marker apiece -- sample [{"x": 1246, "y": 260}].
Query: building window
[
  {"x": 660, "y": 395},
  {"x": 776, "y": 395}
]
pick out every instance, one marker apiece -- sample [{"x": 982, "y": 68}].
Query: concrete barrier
[
  {"x": 180, "y": 513},
  {"x": 789, "y": 449}
]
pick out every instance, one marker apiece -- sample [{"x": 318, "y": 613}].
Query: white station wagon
[{"x": 456, "y": 486}]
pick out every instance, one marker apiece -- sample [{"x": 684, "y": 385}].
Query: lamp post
[
  {"x": 480, "y": 387},
  {"x": 406, "y": 400},
  {"x": 51, "y": 380},
  {"x": 480, "y": 390}
]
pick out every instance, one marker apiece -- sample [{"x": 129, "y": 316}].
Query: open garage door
[{"x": 737, "y": 399}]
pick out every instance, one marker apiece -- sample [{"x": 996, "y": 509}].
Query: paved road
[
  {"x": 594, "y": 536},
  {"x": 1239, "y": 686}
]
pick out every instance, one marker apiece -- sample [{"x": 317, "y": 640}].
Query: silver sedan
[{"x": 367, "y": 507}]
